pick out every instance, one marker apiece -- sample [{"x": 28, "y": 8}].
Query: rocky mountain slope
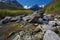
[
  {"x": 54, "y": 7},
  {"x": 10, "y": 4}
]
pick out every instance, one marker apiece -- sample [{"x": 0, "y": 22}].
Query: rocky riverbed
[{"x": 30, "y": 27}]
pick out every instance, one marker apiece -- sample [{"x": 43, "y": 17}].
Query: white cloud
[
  {"x": 26, "y": 7},
  {"x": 42, "y": 6}
]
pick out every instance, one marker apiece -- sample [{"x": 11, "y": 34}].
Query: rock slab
[{"x": 50, "y": 35}]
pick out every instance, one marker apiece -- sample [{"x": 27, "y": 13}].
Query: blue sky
[{"x": 32, "y": 2}]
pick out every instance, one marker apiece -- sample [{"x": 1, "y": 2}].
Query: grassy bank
[
  {"x": 53, "y": 8},
  {"x": 4, "y": 13}
]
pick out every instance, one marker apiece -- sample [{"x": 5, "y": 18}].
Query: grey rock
[
  {"x": 32, "y": 18},
  {"x": 46, "y": 27},
  {"x": 21, "y": 33},
  {"x": 50, "y": 35},
  {"x": 58, "y": 26},
  {"x": 27, "y": 37},
  {"x": 45, "y": 19},
  {"x": 5, "y": 20},
  {"x": 27, "y": 18},
  {"x": 39, "y": 35},
  {"x": 15, "y": 18},
  {"x": 40, "y": 20},
  {"x": 49, "y": 16},
  {"x": 17, "y": 37},
  {"x": 52, "y": 23},
  {"x": 55, "y": 22},
  {"x": 58, "y": 22}
]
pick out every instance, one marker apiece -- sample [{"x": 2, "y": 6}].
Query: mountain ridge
[{"x": 10, "y": 4}]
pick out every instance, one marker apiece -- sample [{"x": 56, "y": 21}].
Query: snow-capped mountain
[{"x": 37, "y": 7}]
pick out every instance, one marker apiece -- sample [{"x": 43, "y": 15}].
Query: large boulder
[
  {"x": 52, "y": 23},
  {"x": 5, "y": 20},
  {"x": 58, "y": 22},
  {"x": 50, "y": 35},
  {"x": 27, "y": 18},
  {"x": 14, "y": 19},
  {"x": 17, "y": 18},
  {"x": 32, "y": 18}
]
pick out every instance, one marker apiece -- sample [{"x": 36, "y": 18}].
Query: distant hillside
[
  {"x": 10, "y": 4},
  {"x": 54, "y": 7},
  {"x": 7, "y": 6}
]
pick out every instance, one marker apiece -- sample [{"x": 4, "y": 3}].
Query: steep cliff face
[{"x": 54, "y": 7}]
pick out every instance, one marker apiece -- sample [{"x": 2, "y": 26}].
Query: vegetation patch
[
  {"x": 53, "y": 8},
  {"x": 4, "y": 13},
  {"x": 57, "y": 31}
]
